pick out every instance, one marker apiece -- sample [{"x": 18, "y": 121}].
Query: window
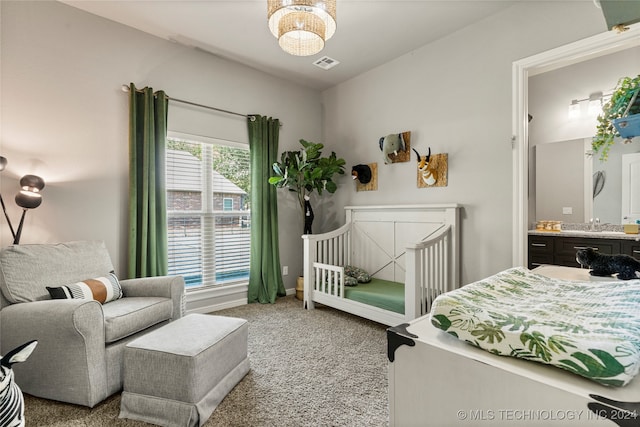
[{"x": 208, "y": 214}]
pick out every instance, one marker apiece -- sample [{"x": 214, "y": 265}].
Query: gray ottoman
[{"x": 178, "y": 374}]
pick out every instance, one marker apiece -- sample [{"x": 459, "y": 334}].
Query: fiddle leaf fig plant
[
  {"x": 615, "y": 108},
  {"x": 305, "y": 171}
]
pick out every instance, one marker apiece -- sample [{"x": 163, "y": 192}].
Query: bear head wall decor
[{"x": 361, "y": 173}]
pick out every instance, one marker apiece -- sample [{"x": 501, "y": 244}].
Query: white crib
[{"x": 417, "y": 245}]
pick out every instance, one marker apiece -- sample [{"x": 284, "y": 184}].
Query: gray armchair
[{"x": 80, "y": 341}]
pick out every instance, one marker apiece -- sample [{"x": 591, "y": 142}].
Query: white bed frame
[
  {"x": 417, "y": 245},
  {"x": 436, "y": 379}
]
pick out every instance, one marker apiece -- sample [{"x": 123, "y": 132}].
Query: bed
[
  {"x": 410, "y": 251},
  {"x": 479, "y": 384}
]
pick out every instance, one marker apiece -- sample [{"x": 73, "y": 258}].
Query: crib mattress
[
  {"x": 379, "y": 293},
  {"x": 589, "y": 328}
]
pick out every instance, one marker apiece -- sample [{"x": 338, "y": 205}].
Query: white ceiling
[{"x": 370, "y": 32}]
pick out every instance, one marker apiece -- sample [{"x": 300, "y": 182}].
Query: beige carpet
[{"x": 308, "y": 368}]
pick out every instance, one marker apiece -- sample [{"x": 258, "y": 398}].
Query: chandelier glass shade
[{"x": 302, "y": 26}]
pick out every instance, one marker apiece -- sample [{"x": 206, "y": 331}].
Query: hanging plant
[{"x": 616, "y": 108}]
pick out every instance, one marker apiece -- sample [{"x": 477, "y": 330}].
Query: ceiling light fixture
[{"x": 302, "y": 26}]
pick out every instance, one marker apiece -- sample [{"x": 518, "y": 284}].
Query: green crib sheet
[{"x": 379, "y": 293}]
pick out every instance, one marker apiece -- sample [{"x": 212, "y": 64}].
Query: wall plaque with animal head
[
  {"x": 432, "y": 169},
  {"x": 396, "y": 147},
  {"x": 366, "y": 176}
]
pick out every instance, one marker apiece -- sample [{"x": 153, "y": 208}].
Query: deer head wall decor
[{"x": 428, "y": 175}]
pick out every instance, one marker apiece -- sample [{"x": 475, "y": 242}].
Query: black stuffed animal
[
  {"x": 362, "y": 173},
  {"x": 308, "y": 216},
  {"x": 625, "y": 266}
]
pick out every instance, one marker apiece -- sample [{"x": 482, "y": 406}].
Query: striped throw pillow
[{"x": 101, "y": 289}]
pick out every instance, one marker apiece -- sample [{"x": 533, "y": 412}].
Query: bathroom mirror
[{"x": 561, "y": 174}]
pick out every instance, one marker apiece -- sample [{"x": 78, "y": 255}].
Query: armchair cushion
[
  {"x": 130, "y": 315},
  {"x": 101, "y": 289},
  {"x": 26, "y": 270}
]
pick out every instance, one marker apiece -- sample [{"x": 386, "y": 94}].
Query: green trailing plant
[
  {"x": 305, "y": 171},
  {"x": 614, "y": 109}
]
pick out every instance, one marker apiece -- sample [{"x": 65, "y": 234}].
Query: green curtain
[
  {"x": 265, "y": 278},
  {"x": 147, "y": 238}
]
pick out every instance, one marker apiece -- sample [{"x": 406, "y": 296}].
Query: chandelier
[{"x": 302, "y": 26}]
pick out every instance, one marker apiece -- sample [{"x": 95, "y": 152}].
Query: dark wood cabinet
[
  {"x": 631, "y": 247},
  {"x": 561, "y": 250},
  {"x": 566, "y": 248},
  {"x": 540, "y": 250}
]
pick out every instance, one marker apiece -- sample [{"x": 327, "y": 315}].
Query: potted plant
[
  {"x": 615, "y": 116},
  {"x": 304, "y": 171}
]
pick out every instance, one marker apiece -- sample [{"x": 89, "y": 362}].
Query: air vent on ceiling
[{"x": 325, "y": 63}]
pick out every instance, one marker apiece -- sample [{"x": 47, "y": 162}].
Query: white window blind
[{"x": 208, "y": 212}]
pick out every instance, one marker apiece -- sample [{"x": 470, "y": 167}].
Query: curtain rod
[{"x": 126, "y": 88}]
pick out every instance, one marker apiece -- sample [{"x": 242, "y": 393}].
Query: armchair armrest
[
  {"x": 69, "y": 362},
  {"x": 160, "y": 286}
]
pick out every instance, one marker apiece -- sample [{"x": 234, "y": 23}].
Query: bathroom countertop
[{"x": 589, "y": 234}]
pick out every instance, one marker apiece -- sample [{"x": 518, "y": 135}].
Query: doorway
[{"x": 601, "y": 44}]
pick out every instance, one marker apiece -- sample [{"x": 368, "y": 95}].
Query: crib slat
[{"x": 433, "y": 270}]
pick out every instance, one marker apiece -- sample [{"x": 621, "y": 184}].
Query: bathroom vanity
[{"x": 559, "y": 248}]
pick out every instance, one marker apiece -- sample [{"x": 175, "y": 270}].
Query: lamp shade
[
  {"x": 28, "y": 199},
  {"x": 32, "y": 183},
  {"x": 302, "y": 26},
  {"x": 301, "y": 40}
]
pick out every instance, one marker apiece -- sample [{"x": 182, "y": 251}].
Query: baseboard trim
[
  {"x": 217, "y": 307},
  {"x": 210, "y": 308}
]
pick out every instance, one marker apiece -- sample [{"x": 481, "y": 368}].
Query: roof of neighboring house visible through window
[{"x": 189, "y": 177}]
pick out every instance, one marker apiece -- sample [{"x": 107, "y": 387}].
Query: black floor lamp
[{"x": 29, "y": 197}]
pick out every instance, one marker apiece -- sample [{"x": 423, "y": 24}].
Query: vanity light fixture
[
  {"x": 574, "y": 109},
  {"x": 594, "y": 106}
]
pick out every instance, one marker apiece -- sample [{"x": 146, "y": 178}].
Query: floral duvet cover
[{"x": 589, "y": 328}]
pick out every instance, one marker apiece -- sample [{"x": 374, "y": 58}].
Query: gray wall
[
  {"x": 65, "y": 118},
  {"x": 454, "y": 95}
]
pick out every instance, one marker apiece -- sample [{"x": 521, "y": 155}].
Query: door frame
[
  {"x": 627, "y": 159},
  {"x": 582, "y": 50}
]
